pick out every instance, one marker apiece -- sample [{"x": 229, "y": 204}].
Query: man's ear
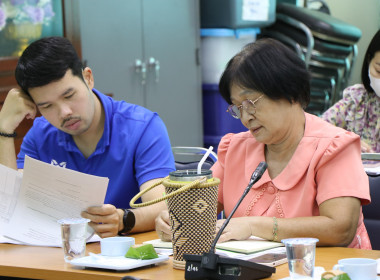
[{"x": 88, "y": 77}]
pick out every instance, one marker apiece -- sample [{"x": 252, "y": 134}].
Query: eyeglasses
[{"x": 248, "y": 105}]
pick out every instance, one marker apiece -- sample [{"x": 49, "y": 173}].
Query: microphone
[{"x": 212, "y": 266}]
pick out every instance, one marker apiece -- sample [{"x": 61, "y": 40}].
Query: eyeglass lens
[{"x": 247, "y": 105}]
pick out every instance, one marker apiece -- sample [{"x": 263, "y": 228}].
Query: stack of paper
[{"x": 31, "y": 202}]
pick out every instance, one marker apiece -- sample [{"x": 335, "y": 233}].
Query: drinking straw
[{"x": 203, "y": 159}]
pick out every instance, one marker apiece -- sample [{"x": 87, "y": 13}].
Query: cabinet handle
[
  {"x": 155, "y": 65},
  {"x": 140, "y": 67}
]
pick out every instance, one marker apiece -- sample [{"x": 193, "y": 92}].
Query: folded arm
[{"x": 16, "y": 107}]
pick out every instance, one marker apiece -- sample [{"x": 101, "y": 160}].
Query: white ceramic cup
[
  {"x": 116, "y": 246},
  {"x": 358, "y": 268}
]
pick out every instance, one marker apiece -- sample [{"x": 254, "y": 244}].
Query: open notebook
[
  {"x": 248, "y": 246},
  {"x": 252, "y": 245}
]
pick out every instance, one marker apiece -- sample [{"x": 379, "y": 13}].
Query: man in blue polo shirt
[{"x": 84, "y": 130}]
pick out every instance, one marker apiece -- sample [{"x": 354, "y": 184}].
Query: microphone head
[{"x": 259, "y": 171}]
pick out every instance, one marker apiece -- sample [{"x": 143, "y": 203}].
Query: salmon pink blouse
[{"x": 326, "y": 164}]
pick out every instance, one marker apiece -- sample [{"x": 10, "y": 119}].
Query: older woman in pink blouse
[{"x": 315, "y": 183}]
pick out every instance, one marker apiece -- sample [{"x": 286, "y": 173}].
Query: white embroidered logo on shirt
[{"x": 55, "y": 163}]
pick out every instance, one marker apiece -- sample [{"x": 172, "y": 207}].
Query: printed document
[{"x": 32, "y": 204}]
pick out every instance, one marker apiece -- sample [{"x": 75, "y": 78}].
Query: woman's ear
[{"x": 88, "y": 77}]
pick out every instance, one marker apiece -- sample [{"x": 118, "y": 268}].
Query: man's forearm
[
  {"x": 7, "y": 152},
  {"x": 145, "y": 216}
]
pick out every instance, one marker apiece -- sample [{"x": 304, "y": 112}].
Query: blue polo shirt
[{"x": 134, "y": 148}]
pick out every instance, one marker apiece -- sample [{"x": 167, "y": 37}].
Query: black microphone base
[{"x": 225, "y": 269}]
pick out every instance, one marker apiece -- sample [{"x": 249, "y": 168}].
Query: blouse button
[
  {"x": 281, "y": 215},
  {"x": 270, "y": 190}
]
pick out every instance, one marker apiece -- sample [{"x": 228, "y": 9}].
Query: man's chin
[{"x": 73, "y": 132}]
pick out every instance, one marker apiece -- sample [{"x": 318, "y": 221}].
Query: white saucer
[{"x": 115, "y": 263}]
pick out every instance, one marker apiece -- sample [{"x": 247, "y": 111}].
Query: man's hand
[
  {"x": 106, "y": 220},
  {"x": 17, "y": 106},
  {"x": 163, "y": 226}
]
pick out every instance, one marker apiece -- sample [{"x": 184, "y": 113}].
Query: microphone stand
[{"x": 210, "y": 259}]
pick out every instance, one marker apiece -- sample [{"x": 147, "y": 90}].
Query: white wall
[{"x": 364, "y": 14}]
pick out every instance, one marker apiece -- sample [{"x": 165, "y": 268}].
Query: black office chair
[
  {"x": 371, "y": 212},
  {"x": 328, "y": 46}
]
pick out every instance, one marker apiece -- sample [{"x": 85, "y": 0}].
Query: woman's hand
[
  {"x": 163, "y": 226},
  {"x": 237, "y": 229}
]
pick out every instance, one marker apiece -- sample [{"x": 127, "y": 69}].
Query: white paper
[
  {"x": 10, "y": 182},
  {"x": 255, "y": 10},
  {"x": 4, "y": 239},
  {"x": 49, "y": 193},
  {"x": 167, "y": 246}
]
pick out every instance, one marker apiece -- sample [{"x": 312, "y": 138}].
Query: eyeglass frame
[{"x": 234, "y": 115}]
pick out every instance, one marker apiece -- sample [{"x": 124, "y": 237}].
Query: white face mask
[{"x": 375, "y": 84}]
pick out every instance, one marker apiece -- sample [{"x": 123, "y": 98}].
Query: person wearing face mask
[{"x": 359, "y": 109}]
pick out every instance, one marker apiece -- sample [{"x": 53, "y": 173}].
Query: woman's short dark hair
[
  {"x": 373, "y": 47},
  {"x": 45, "y": 61},
  {"x": 269, "y": 67}
]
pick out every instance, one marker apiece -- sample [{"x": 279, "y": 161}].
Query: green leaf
[
  {"x": 144, "y": 252},
  {"x": 342, "y": 276}
]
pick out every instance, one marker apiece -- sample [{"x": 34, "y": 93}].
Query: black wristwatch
[{"x": 129, "y": 221}]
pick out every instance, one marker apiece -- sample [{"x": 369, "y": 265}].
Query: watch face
[{"x": 129, "y": 221}]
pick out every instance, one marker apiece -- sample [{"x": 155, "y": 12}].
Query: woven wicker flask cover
[{"x": 193, "y": 217}]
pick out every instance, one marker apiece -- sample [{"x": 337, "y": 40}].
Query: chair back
[
  {"x": 328, "y": 46},
  {"x": 371, "y": 212},
  {"x": 189, "y": 157}
]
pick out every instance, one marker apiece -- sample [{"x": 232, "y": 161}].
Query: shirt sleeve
[
  {"x": 28, "y": 147},
  {"x": 218, "y": 167},
  {"x": 154, "y": 157},
  {"x": 344, "y": 110},
  {"x": 340, "y": 171}
]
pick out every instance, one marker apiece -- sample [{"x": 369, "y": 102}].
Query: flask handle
[{"x": 182, "y": 189}]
